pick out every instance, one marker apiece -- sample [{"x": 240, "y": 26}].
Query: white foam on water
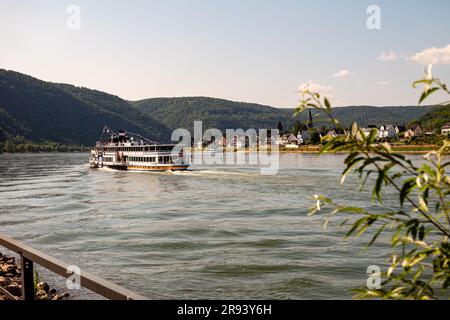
[{"x": 107, "y": 169}]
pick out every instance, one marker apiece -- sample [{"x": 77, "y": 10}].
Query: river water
[{"x": 224, "y": 232}]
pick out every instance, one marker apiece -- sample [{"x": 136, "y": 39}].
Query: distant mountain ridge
[
  {"x": 44, "y": 111},
  {"x": 223, "y": 114}
]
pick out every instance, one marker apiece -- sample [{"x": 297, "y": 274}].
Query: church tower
[{"x": 310, "y": 120}]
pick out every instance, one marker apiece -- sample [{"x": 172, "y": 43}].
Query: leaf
[
  {"x": 418, "y": 273},
  {"x": 427, "y": 93},
  {"x": 327, "y": 104},
  {"x": 426, "y": 168},
  {"x": 349, "y": 209},
  {"x": 393, "y": 266},
  {"x": 422, "y": 205},
  {"x": 375, "y": 237},
  {"x": 446, "y": 284},
  {"x": 387, "y": 147},
  {"x": 355, "y": 226},
  {"x": 407, "y": 187},
  {"x": 421, "y": 233},
  {"x": 351, "y": 161},
  {"x": 372, "y": 136},
  {"x": 299, "y": 110},
  {"x": 325, "y": 224},
  {"x": 377, "y": 188},
  {"x": 354, "y": 129},
  {"x": 423, "y": 81},
  {"x": 367, "y": 225}
]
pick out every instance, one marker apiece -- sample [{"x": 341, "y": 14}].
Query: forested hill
[
  {"x": 434, "y": 119},
  {"x": 222, "y": 114},
  {"x": 43, "y": 111},
  {"x": 214, "y": 113}
]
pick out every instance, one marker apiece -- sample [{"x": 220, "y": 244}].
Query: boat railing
[{"x": 29, "y": 256}]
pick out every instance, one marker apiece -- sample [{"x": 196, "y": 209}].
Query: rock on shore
[{"x": 10, "y": 280}]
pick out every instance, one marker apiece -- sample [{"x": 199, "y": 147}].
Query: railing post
[
  {"x": 29, "y": 256},
  {"x": 27, "y": 279}
]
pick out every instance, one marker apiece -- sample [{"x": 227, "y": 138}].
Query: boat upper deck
[{"x": 127, "y": 147}]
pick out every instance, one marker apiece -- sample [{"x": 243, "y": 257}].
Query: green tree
[
  {"x": 10, "y": 147},
  {"x": 315, "y": 136},
  {"x": 298, "y": 127},
  {"x": 20, "y": 147},
  {"x": 419, "y": 267}
]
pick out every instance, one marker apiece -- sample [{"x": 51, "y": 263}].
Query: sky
[{"x": 258, "y": 51}]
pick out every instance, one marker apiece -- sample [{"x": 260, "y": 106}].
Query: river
[{"x": 224, "y": 232}]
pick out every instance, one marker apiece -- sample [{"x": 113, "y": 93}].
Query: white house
[
  {"x": 282, "y": 140},
  {"x": 386, "y": 131},
  {"x": 414, "y": 131},
  {"x": 292, "y": 139},
  {"x": 445, "y": 129},
  {"x": 289, "y": 140}
]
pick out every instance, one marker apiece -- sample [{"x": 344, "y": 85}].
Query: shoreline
[
  {"x": 10, "y": 280},
  {"x": 401, "y": 149}
]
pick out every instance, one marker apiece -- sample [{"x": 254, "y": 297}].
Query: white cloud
[
  {"x": 387, "y": 56},
  {"x": 385, "y": 82},
  {"x": 343, "y": 73},
  {"x": 433, "y": 56},
  {"x": 314, "y": 87},
  {"x": 324, "y": 90}
]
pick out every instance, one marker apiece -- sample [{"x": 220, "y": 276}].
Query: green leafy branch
[{"x": 419, "y": 228}]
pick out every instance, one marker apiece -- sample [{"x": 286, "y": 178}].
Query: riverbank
[
  {"x": 10, "y": 273},
  {"x": 403, "y": 149}
]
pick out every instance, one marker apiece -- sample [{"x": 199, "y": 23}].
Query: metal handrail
[{"x": 29, "y": 255}]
